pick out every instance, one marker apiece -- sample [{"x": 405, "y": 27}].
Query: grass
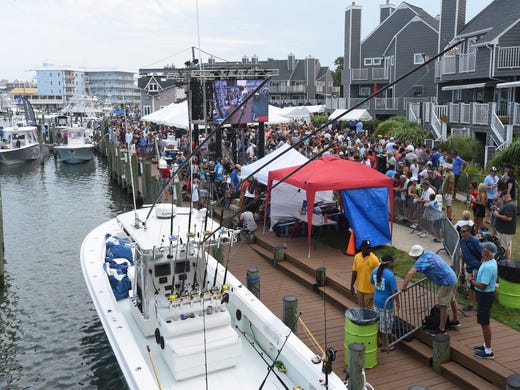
[{"x": 507, "y": 316}]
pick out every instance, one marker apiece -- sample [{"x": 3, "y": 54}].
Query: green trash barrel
[
  {"x": 509, "y": 294},
  {"x": 361, "y": 327}
]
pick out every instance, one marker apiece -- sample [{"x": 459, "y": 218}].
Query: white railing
[
  {"x": 498, "y": 128},
  {"x": 427, "y": 109},
  {"x": 379, "y": 73},
  {"x": 353, "y": 101},
  {"x": 435, "y": 122},
  {"x": 463, "y": 132},
  {"x": 480, "y": 113},
  {"x": 441, "y": 111},
  {"x": 359, "y": 74},
  {"x": 508, "y": 57},
  {"x": 447, "y": 65},
  {"x": 387, "y": 103},
  {"x": 414, "y": 110},
  {"x": 467, "y": 62},
  {"x": 454, "y": 112},
  {"x": 465, "y": 113},
  {"x": 516, "y": 114}
]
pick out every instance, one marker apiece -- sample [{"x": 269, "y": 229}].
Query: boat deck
[{"x": 296, "y": 276}]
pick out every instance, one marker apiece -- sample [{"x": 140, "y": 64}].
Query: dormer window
[{"x": 153, "y": 87}]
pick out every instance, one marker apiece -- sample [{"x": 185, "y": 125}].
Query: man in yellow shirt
[{"x": 364, "y": 262}]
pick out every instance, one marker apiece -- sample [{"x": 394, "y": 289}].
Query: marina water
[{"x": 50, "y": 335}]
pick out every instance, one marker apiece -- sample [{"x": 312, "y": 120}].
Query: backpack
[{"x": 433, "y": 321}]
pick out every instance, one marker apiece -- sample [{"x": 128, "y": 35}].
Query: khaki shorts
[
  {"x": 365, "y": 300},
  {"x": 448, "y": 198},
  {"x": 446, "y": 294}
]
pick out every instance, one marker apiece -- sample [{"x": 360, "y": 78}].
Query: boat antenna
[{"x": 271, "y": 367}]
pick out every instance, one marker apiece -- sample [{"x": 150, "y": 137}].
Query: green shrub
[
  {"x": 403, "y": 130},
  {"x": 469, "y": 149},
  {"x": 510, "y": 155},
  {"x": 320, "y": 119}
]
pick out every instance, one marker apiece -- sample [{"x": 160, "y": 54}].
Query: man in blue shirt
[
  {"x": 485, "y": 287},
  {"x": 439, "y": 272},
  {"x": 434, "y": 158},
  {"x": 491, "y": 182},
  {"x": 458, "y": 165},
  {"x": 471, "y": 255}
]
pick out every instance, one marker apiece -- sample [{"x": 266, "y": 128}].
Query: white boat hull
[
  {"x": 220, "y": 348},
  {"x": 75, "y": 155}
]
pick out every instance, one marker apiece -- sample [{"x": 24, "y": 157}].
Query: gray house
[
  {"x": 479, "y": 79},
  {"x": 406, "y": 37}
]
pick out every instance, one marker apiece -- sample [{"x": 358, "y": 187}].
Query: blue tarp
[{"x": 367, "y": 212}]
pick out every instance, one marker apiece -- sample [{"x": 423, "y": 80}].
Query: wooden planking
[{"x": 275, "y": 284}]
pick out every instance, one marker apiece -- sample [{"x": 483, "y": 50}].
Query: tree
[{"x": 336, "y": 75}]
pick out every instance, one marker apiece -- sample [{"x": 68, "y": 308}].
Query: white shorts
[{"x": 448, "y": 199}]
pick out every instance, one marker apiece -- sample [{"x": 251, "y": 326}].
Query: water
[{"x": 50, "y": 335}]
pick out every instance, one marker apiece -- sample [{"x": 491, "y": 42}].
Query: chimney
[
  {"x": 385, "y": 11},
  {"x": 352, "y": 49},
  {"x": 291, "y": 62},
  {"x": 453, "y": 19}
]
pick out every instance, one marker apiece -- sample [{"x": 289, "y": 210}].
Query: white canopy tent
[
  {"x": 275, "y": 116},
  {"x": 300, "y": 112},
  {"x": 175, "y": 114},
  {"x": 358, "y": 114},
  {"x": 289, "y": 159}
]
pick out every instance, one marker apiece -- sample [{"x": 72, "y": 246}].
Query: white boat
[
  {"x": 78, "y": 147},
  {"x": 185, "y": 322},
  {"x": 20, "y": 144}
]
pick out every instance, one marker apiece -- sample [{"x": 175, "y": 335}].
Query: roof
[
  {"x": 24, "y": 91},
  {"x": 505, "y": 11},
  {"x": 433, "y": 22}
]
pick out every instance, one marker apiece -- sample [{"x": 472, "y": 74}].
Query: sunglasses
[{"x": 464, "y": 231}]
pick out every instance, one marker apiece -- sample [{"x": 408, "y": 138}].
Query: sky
[{"x": 127, "y": 35}]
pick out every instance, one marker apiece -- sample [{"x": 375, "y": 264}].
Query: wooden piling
[
  {"x": 441, "y": 351},
  {"x": 356, "y": 364},
  {"x": 290, "y": 312}
]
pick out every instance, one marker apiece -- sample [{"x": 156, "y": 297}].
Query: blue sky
[{"x": 132, "y": 34}]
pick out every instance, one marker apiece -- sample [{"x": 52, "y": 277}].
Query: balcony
[
  {"x": 467, "y": 62},
  {"x": 446, "y": 65},
  {"x": 379, "y": 73},
  {"x": 286, "y": 89},
  {"x": 508, "y": 57},
  {"x": 359, "y": 74}
]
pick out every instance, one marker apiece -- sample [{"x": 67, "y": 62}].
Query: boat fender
[{"x": 157, "y": 335}]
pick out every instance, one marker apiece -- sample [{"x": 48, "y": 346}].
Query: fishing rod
[
  {"x": 261, "y": 354},
  {"x": 208, "y": 137},
  {"x": 271, "y": 367},
  {"x": 218, "y": 245}
]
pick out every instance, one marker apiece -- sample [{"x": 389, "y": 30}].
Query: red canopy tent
[{"x": 331, "y": 173}]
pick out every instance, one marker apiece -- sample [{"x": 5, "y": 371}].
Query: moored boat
[
  {"x": 176, "y": 318},
  {"x": 20, "y": 144},
  {"x": 78, "y": 147}
]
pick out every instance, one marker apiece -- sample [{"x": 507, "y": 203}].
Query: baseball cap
[
  {"x": 493, "y": 169},
  {"x": 365, "y": 244},
  {"x": 489, "y": 246},
  {"x": 416, "y": 251},
  {"x": 387, "y": 258},
  {"x": 448, "y": 166}
]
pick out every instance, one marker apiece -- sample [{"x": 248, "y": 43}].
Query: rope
[{"x": 312, "y": 337}]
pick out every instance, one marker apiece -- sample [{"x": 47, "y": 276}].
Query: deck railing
[
  {"x": 467, "y": 62},
  {"x": 379, "y": 73},
  {"x": 359, "y": 74},
  {"x": 508, "y": 57}
]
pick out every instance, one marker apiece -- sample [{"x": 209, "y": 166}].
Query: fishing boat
[
  {"x": 20, "y": 144},
  {"x": 177, "y": 319},
  {"x": 78, "y": 147}
]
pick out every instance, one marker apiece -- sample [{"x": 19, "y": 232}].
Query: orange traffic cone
[{"x": 351, "y": 248}]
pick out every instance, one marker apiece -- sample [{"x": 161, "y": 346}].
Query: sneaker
[
  {"x": 423, "y": 234},
  {"x": 479, "y": 348},
  {"x": 484, "y": 355},
  {"x": 437, "y": 331},
  {"x": 413, "y": 226},
  {"x": 467, "y": 308},
  {"x": 436, "y": 240},
  {"x": 454, "y": 324}
]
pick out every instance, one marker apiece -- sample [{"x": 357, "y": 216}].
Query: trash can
[
  {"x": 509, "y": 283},
  {"x": 361, "y": 327}
]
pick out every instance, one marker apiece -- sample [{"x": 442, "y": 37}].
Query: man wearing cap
[
  {"x": 491, "y": 182},
  {"x": 364, "y": 263},
  {"x": 448, "y": 188},
  {"x": 485, "y": 289},
  {"x": 440, "y": 273},
  {"x": 505, "y": 222}
]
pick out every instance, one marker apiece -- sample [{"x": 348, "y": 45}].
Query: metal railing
[
  {"x": 467, "y": 62},
  {"x": 359, "y": 74},
  {"x": 414, "y": 305},
  {"x": 508, "y": 57}
]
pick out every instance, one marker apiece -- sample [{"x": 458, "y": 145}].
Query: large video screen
[{"x": 228, "y": 94}]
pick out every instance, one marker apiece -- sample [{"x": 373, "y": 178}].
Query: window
[
  {"x": 153, "y": 87},
  {"x": 418, "y": 58},
  {"x": 417, "y": 91},
  {"x": 147, "y": 110},
  {"x": 364, "y": 91},
  {"x": 368, "y": 61},
  {"x": 376, "y": 61}
]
